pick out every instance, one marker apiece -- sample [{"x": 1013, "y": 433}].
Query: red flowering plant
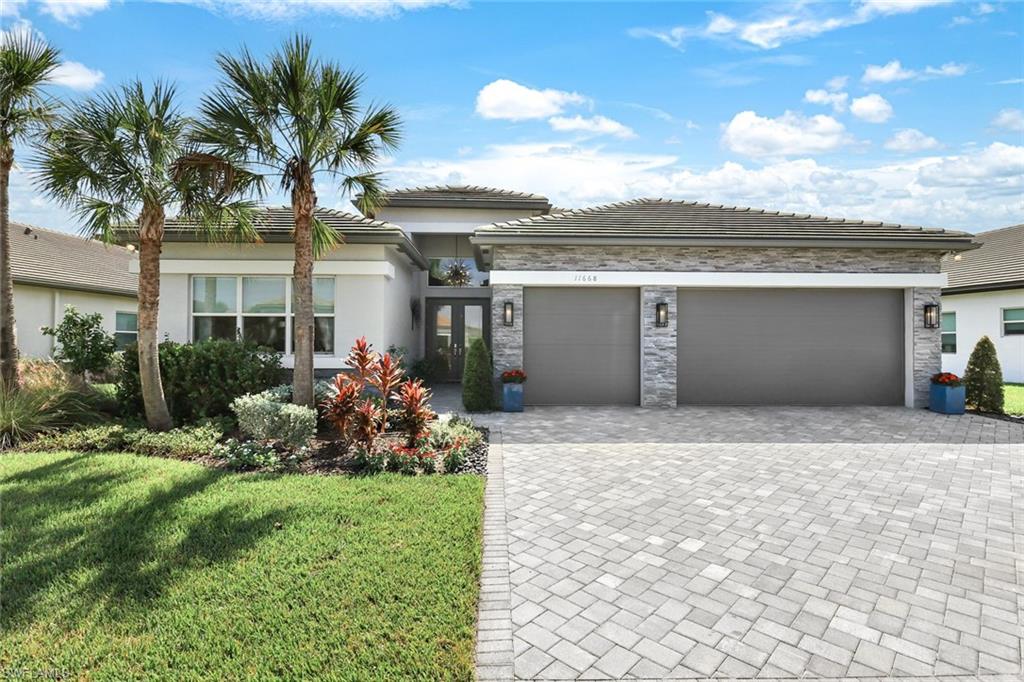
[
  {"x": 947, "y": 379},
  {"x": 513, "y": 376}
]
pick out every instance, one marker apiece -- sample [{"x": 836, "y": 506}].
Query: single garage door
[
  {"x": 581, "y": 346},
  {"x": 790, "y": 346}
]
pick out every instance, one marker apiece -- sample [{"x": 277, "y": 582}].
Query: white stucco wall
[
  {"x": 979, "y": 315},
  {"x": 447, "y": 220},
  {"x": 371, "y": 305},
  {"x": 36, "y": 307}
]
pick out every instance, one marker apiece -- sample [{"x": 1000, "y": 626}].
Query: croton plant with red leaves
[{"x": 947, "y": 379}]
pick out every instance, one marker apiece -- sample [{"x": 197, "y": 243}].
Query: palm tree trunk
[
  {"x": 151, "y": 232},
  {"x": 303, "y": 205},
  {"x": 8, "y": 338}
]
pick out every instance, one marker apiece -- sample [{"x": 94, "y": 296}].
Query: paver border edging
[{"x": 494, "y": 656}]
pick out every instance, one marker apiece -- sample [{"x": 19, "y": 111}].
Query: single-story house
[
  {"x": 648, "y": 302},
  {"x": 985, "y": 297},
  {"x": 53, "y": 270}
]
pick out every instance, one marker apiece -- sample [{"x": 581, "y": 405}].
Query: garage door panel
[
  {"x": 787, "y": 346},
  {"x": 581, "y": 346}
]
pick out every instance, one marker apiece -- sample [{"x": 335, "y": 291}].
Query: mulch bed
[{"x": 1016, "y": 419}]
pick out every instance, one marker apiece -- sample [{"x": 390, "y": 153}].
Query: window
[
  {"x": 455, "y": 272},
  {"x": 1013, "y": 321},
  {"x": 948, "y": 332},
  {"x": 259, "y": 309},
  {"x": 126, "y": 329}
]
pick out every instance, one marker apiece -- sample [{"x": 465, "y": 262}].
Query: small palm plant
[
  {"x": 292, "y": 119},
  {"x": 119, "y": 161},
  {"x": 26, "y": 63}
]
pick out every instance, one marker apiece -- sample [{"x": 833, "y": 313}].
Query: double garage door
[{"x": 734, "y": 346}]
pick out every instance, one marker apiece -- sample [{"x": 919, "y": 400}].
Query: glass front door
[{"x": 452, "y": 324}]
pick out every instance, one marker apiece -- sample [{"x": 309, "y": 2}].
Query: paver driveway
[{"x": 753, "y": 542}]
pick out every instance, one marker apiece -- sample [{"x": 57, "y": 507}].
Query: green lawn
[
  {"x": 119, "y": 566},
  {"x": 1013, "y": 398}
]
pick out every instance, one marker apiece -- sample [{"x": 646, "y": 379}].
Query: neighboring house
[
  {"x": 985, "y": 297},
  {"x": 53, "y": 270},
  {"x": 648, "y": 302}
]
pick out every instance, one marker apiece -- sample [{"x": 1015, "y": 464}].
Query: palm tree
[
  {"x": 119, "y": 161},
  {"x": 291, "y": 119},
  {"x": 26, "y": 63}
]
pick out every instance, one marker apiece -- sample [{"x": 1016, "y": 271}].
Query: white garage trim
[
  {"x": 270, "y": 267},
  {"x": 817, "y": 280},
  {"x": 908, "y": 348}
]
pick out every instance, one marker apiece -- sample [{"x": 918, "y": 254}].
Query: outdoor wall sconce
[
  {"x": 931, "y": 315},
  {"x": 661, "y": 315},
  {"x": 509, "y": 317}
]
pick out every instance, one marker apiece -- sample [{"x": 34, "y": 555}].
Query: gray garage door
[
  {"x": 790, "y": 346},
  {"x": 581, "y": 346}
]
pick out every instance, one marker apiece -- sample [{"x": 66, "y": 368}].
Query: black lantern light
[
  {"x": 509, "y": 314},
  {"x": 661, "y": 315},
  {"x": 931, "y": 315}
]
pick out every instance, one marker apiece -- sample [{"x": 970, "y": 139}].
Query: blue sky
[{"x": 876, "y": 109}]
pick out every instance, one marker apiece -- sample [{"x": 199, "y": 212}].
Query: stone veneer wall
[
  {"x": 927, "y": 346},
  {"x": 658, "y": 366},
  {"x": 658, "y": 345}
]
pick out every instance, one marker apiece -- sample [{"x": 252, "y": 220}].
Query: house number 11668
[{"x": 584, "y": 278}]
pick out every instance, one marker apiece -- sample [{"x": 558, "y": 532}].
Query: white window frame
[
  {"x": 239, "y": 314},
  {"x": 1003, "y": 321},
  {"x": 943, "y": 332},
  {"x": 134, "y": 334}
]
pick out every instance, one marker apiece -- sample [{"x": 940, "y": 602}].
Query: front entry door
[{"x": 452, "y": 324}]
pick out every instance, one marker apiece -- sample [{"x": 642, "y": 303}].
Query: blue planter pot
[
  {"x": 512, "y": 397},
  {"x": 947, "y": 399}
]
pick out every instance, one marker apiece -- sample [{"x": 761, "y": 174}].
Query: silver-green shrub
[{"x": 264, "y": 417}]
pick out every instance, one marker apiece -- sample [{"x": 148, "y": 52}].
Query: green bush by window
[
  {"x": 984, "y": 378},
  {"x": 201, "y": 379},
  {"x": 477, "y": 387},
  {"x": 82, "y": 342}
]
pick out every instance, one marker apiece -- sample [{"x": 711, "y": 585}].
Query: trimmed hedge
[
  {"x": 200, "y": 379},
  {"x": 983, "y": 378}
]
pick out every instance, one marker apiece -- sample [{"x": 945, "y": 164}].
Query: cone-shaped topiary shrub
[
  {"x": 477, "y": 390},
  {"x": 984, "y": 378}
]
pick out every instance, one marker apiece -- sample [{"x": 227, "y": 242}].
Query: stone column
[
  {"x": 506, "y": 342},
  {"x": 657, "y": 349},
  {"x": 927, "y": 345}
]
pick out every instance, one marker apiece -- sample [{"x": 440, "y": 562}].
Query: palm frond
[
  {"x": 26, "y": 63},
  {"x": 324, "y": 237}
]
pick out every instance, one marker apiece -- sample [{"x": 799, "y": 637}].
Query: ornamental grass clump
[
  {"x": 46, "y": 399},
  {"x": 984, "y": 378}
]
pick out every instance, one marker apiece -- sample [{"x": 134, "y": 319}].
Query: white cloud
[
  {"x": 910, "y": 140},
  {"x": 70, "y": 11},
  {"x": 871, "y": 108},
  {"x": 837, "y": 100},
  {"x": 286, "y": 10},
  {"x": 894, "y": 71},
  {"x": 1009, "y": 81},
  {"x": 837, "y": 83},
  {"x": 1010, "y": 119},
  {"x": 981, "y": 189},
  {"x": 508, "y": 100},
  {"x": 595, "y": 125},
  {"x": 946, "y": 70},
  {"x": 797, "y": 21},
  {"x": 788, "y": 135},
  {"x": 76, "y": 76}
]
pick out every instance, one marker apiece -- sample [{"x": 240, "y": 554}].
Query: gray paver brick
[{"x": 776, "y": 542}]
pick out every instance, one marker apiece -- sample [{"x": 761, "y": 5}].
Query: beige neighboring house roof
[
  {"x": 998, "y": 264},
  {"x": 49, "y": 258},
  {"x": 671, "y": 222},
  {"x": 274, "y": 224},
  {"x": 465, "y": 196}
]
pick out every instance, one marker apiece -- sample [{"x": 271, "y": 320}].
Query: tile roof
[
  {"x": 692, "y": 222},
  {"x": 275, "y": 224},
  {"x": 465, "y": 196},
  {"x": 998, "y": 264},
  {"x": 57, "y": 259}
]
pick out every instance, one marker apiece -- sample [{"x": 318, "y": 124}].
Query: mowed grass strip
[
  {"x": 118, "y": 566},
  {"x": 1013, "y": 399}
]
